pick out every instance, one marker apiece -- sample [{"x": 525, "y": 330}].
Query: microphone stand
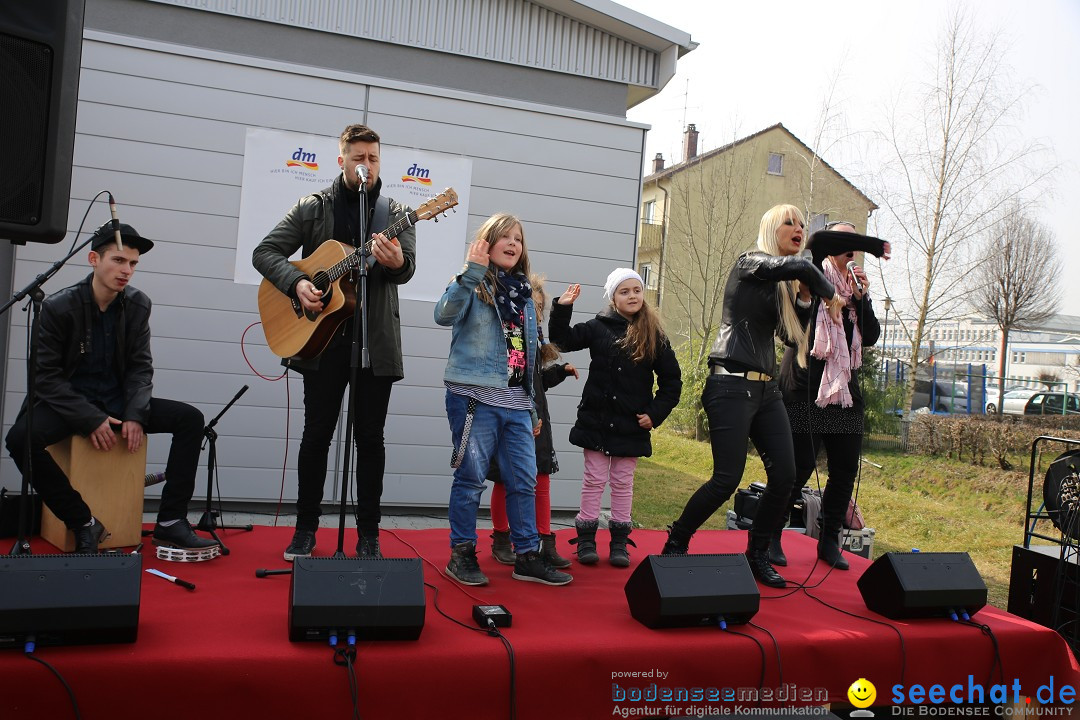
[
  {"x": 359, "y": 358},
  {"x": 208, "y": 521},
  {"x": 33, "y": 289}
]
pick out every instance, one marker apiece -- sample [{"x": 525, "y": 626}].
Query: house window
[
  {"x": 776, "y": 164},
  {"x": 648, "y": 211},
  {"x": 818, "y": 222},
  {"x": 647, "y": 274}
]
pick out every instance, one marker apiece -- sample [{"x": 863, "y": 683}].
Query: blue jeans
[{"x": 504, "y": 436}]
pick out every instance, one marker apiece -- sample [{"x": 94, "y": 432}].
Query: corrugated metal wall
[
  {"x": 163, "y": 128},
  {"x": 508, "y": 31}
]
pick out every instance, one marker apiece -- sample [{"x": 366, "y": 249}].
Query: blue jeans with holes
[{"x": 498, "y": 435}]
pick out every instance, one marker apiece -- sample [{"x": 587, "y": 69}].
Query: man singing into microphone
[
  {"x": 334, "y": 213},
  {"x": 94, "y": 374}
]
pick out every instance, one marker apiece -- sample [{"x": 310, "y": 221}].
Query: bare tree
[
  {"x": 956, "y": 161},
  {"x": 710, "y": 211},
  {"x": 1017, "y": 284}
]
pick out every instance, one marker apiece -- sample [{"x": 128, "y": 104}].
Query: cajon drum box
[{"x": 111, "y": 483}]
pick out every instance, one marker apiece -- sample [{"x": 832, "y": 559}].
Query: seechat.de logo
[
  {"x": 417, "y": 175},
  {"x": 302, "y": 159}
]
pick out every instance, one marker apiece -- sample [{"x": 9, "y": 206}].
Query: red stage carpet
[{"x": 223, "y": 650}]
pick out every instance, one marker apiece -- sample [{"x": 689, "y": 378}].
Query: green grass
[{"x": 934, "y": 504}]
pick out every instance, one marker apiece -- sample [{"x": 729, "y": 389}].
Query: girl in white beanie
[{"x": 628, "y": 348}]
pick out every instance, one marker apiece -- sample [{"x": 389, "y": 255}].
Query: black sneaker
[
  {"x": 180, "y": 535},
  {"x": 463, "y": 566},
  {"x": 303, "y": 543},
  {"x": 368, "y": 546},
  {"x": 533, "y": 567},
  {"x": 87, "y": 537}
]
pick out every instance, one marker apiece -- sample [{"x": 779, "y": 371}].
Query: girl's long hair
[
  {"x": 549, "y": 351},
  {"x": 493, "y": 228},
  {"x": 791, "y": 329},
  {"x": 644, "y": 334}
]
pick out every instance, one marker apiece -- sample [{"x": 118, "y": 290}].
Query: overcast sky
[{"x": 760, "y": 63}]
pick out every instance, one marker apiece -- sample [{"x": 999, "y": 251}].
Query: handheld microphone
[
  {"x": 115, "y": 224},
  {"x": 362, "y": 175},
  {"x": 851, "y": 269}
]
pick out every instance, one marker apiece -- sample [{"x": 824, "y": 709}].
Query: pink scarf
[{"x": 830, "y": 343}]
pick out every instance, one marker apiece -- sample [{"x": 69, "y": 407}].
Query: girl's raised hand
[
  {"x": 571, "y": 294},
  {"x": 571, "y": 370},
  {"x": 478, "y": 252}
]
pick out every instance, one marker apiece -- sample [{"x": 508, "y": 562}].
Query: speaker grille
[{"x": 25, "y": 89}]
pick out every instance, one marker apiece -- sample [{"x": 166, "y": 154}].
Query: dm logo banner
[{"x": 281, "y": 167}]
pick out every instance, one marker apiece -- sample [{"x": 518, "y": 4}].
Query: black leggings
[
  {"x": 738, "y": 410},
  {"x": 842, "y": 451}
]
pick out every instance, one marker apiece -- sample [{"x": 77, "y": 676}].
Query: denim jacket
[{"x": 478, "y": 345}]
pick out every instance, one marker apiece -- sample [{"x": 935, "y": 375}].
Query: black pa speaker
[
  {"x": 69, "y": 599},
  {"x": 41, "y": 55},
  {"x": 692, "y": 590},
  {"x": 375, "y": 598},
  {"x": 922, "y": 585}
]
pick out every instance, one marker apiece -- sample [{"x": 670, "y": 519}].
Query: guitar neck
[{"x": 352, "y": 261}]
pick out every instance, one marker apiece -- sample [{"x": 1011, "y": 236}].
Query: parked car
[
  {"x": 1051, "y": 403},
  {"x": 947, "y": 396},
  {"x": 1014, "y": 402},
  {"x": 992, "y": 395}
]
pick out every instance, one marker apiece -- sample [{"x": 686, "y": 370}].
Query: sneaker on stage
[
  {"x": 534, "y": 567},
  {"x": 464, "y": 567},
  {"x": 302, "y": 545},
  {"x": 367, "y": 546},
  {"x": 180, "y": 535}
]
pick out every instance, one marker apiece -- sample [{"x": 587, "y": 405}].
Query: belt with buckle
[{"x": 749, "y": 374}]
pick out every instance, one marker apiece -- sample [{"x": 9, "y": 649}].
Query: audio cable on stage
[{"x": 28, "y": 650}]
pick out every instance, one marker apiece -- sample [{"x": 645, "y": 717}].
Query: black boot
[
  {"x": 551, "y": 553},
  {"x": 776, "y": 550},
  {"x": 620, "y": 538},
  {"x": 586, "y": 541},
  {"x": 678, "y": 540},
  {"x": 828, "y": 549},
  {"x": 757, "y": 554},
  {"x": 87, "y": 537},
  {"x": 501, "y": 549}
]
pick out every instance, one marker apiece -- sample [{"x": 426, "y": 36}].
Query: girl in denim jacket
[{"x": 489, "y": 397}]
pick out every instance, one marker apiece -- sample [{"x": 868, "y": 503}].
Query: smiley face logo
[{"x": 862, "y": 693}]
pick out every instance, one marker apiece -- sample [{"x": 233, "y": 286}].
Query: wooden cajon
[{"x": 111, "y": 483}]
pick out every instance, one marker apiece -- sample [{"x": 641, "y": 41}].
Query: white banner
[{"x": 281, "y": 167}]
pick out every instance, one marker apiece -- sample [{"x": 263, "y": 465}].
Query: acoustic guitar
[{"x": 292, "y": 331}]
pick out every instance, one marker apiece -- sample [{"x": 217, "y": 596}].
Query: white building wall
[{"x": 163, "y": 126}]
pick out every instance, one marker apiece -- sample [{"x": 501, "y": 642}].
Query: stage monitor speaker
[
  {"x": 377, "y": 598},
  {"x": 41, "y": 55},
  {"x": 69, "y": 599},
  {"x": 692, "y": 590},
  {"x": 922, "y": 585}
]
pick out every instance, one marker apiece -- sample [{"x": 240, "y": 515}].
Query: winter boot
[
  {"x": 620, "y": 538},
  {"x": 828, "y": 550},
  {"x": 463, "y": 566},
  {"x": 551, "y": 553},
  {"x": 586, "y": 541},
  {"x": 757, "y": 554},
  {"x": 501, "y": 549},
  {"x": 776, "y": 551},
  {"x": 678, "y": 540}
]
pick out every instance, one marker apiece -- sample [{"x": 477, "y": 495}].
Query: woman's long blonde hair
[
  {"x": 792, "y": 330},
  {"x": 493, "y": 228}
]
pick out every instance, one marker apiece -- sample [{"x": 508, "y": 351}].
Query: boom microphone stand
[
  {"x": 33, "y": 289},
  {"x": 208, "y": 521}
]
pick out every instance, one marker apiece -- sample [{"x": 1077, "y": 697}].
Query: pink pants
[
  {"x": 599, "y": 470},
  {"x": 499, "y": 520}
]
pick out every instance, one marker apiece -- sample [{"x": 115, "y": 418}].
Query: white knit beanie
[{"x": 616, "y": 278}]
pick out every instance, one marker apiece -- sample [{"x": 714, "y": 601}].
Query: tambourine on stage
[{"x": 1044, "y": 585}]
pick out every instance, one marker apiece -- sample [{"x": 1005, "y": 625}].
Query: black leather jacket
[
  {"x": 64, "y": 336},
  {"x": 751, "y": 317}
]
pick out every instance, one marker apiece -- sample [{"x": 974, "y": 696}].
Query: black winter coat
[{"x": 618, "y": 389}]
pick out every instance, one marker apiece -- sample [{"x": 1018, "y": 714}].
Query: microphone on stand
[
  {"x": 115, "y": 224},
  {"x": 851, "y": 269},
  {"x": 362, "y": 175}
]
